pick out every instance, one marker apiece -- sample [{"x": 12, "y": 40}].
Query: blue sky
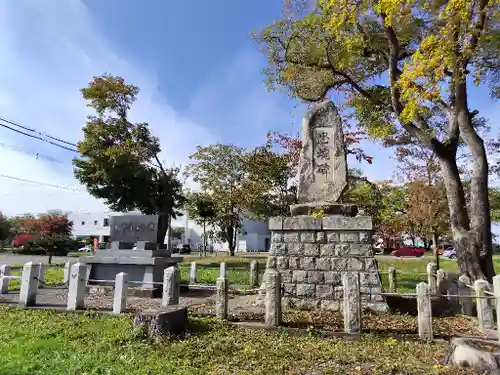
[{"x": 198, "y": 70}]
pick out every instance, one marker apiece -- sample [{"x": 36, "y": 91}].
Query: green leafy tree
[
  {"x": 6, "y": 227},
  {"x": 120, "y": 160},
  {"x": 271, "y": 177},
  {"x": 221, "y": 170},
  {"x": 403, "y": 68},
  {"x": 202, "y": 208}
]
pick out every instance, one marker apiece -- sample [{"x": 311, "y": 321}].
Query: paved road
[{"x": 21, "y": 259}]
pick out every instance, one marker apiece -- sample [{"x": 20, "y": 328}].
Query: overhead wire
[
  {"x": 42, "y": 183},
  {"x": 37, "y": 155},
  {"x": 38, "y": 135},
  {"x": 36, "y": 131}
]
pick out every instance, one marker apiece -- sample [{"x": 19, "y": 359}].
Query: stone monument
[
  {"x": 133, "y": 250},
  {"x": 323, "y": 239}
]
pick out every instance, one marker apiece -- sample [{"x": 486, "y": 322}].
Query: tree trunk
[
  {"x": 204, "y": 238},
  {"x": 466, "y": 242},
  {"x": 163, "y": 224},
  {"x": 479, "y": 239}
]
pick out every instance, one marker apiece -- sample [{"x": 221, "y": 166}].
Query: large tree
[
  {"x": 201, "y": 207},
  {"x": 404, "y": 69},
  {"x": 222, "y": 172},
  {"x": 121, "y": 161}
]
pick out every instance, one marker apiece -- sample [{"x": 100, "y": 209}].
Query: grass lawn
[
  {"x": 53, "y": 277},
  {"x": 48, "y": 343}
]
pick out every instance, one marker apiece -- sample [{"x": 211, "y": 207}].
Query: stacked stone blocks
[{"x": 312, "y": 254}]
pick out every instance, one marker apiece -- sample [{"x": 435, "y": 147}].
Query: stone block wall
[{"x": 312, "y": 254}]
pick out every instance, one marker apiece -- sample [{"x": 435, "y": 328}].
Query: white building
[{"x": 96, "y": 224}]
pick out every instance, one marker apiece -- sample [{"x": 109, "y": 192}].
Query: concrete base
[{"x": 140, "y": 267}]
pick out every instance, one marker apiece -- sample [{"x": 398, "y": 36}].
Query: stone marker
[
  {"x": 77, "y": 286},
  {"x": 143, "y": 262},
  {"x": 496, "y": 291},
  {"x": 4, "y": 281},
  {"x": 67, "y": 271},
  {"x": 273, "y": 298},
  {"x": 222, "y": 271},
  {"x": 254, "y": 273},
  {"x": 192, "y": 273},
  {"x": 323, "y": 160},
  {"x": 432, "y": 277},
  {"x": 221, "y": 300},
  {"x": 170, "y": 294},
  {"x": 29, "y": 284},
  {"x": 393, "y": 282},
  {"x": 483, "y": 305},
  {"x": 323, "y": 238},
  {"x": 352, "y": 302},
  {"x": 424, "y": 312},
  {"x": 465, "y": 293},
  {"x": 120, "y": 295}
]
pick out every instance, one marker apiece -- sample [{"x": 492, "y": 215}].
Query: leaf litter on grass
[{"x": 104, "y": 344}]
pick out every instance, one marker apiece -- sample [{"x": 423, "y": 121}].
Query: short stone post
[
  {"x": 393, "y": 283},
  {"x": 67, "y": 271},
  {"x": 483, "y": 305},
  {"x": 273, "y": 298},
  {"x": 221, "y": 299},
  {"x": 352, "y": 302},
  {"x": 29, "y": 285},
  {"x": 77, "y": 286},
  {"x": 121, "y": 290},
  {"x": 41, "y": 275},
  {"x": 432, "y": 278},
  {"x": 441, "y": 281},
  {"x": 496, "y": 290},
  {"x": 170, "y": 295},
  {"x": 254, "y": 273},
  {"x": 465, "y": 293},
  {"x": 424, "y": 309},
  {"x": 192, "y": 273},
  {"x": 4, "y": 281},
  {"x": 222, "y": 272}
]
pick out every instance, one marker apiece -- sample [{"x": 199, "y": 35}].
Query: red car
[{"x": 409, "y": 251}]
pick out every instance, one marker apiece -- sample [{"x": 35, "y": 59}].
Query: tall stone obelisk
[{"x": 323, "y": 239}]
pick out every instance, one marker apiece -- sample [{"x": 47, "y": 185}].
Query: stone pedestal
[
  {"x": 313, "y": 253},
  {"x": 142, "y": 264}
]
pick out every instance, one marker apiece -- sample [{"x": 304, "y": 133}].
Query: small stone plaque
[{"x": 133, "y": 228}]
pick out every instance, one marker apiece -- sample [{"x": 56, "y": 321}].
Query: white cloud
[{"x": 49, "y": 51}]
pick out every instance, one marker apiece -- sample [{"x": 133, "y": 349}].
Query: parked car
[
  {"x": 85, "y": 249},
  {"x": 408, "y": 251},
  {"x": 445, "y": 248},
  {"x": 450, "y": 254}
]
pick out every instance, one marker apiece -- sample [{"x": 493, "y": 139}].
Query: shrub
[{"x": 57, "y": 245}]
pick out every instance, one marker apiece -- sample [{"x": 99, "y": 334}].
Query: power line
[
  {"x": 38, "y": 137},
  {"x": 42, "y": 183},
  {"x": 36, "y": 131},
  {"x": 31, "y": 153}
]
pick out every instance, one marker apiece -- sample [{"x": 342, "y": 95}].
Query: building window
[
  {"x": 83, "y": 222},
  {"x": 106, "y": 223},
  {"x": 95, "y": 222}
]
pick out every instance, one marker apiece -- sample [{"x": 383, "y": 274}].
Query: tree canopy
[
  {"x": 120, "y": 160},
  {"x": 402, "y": 70}
]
